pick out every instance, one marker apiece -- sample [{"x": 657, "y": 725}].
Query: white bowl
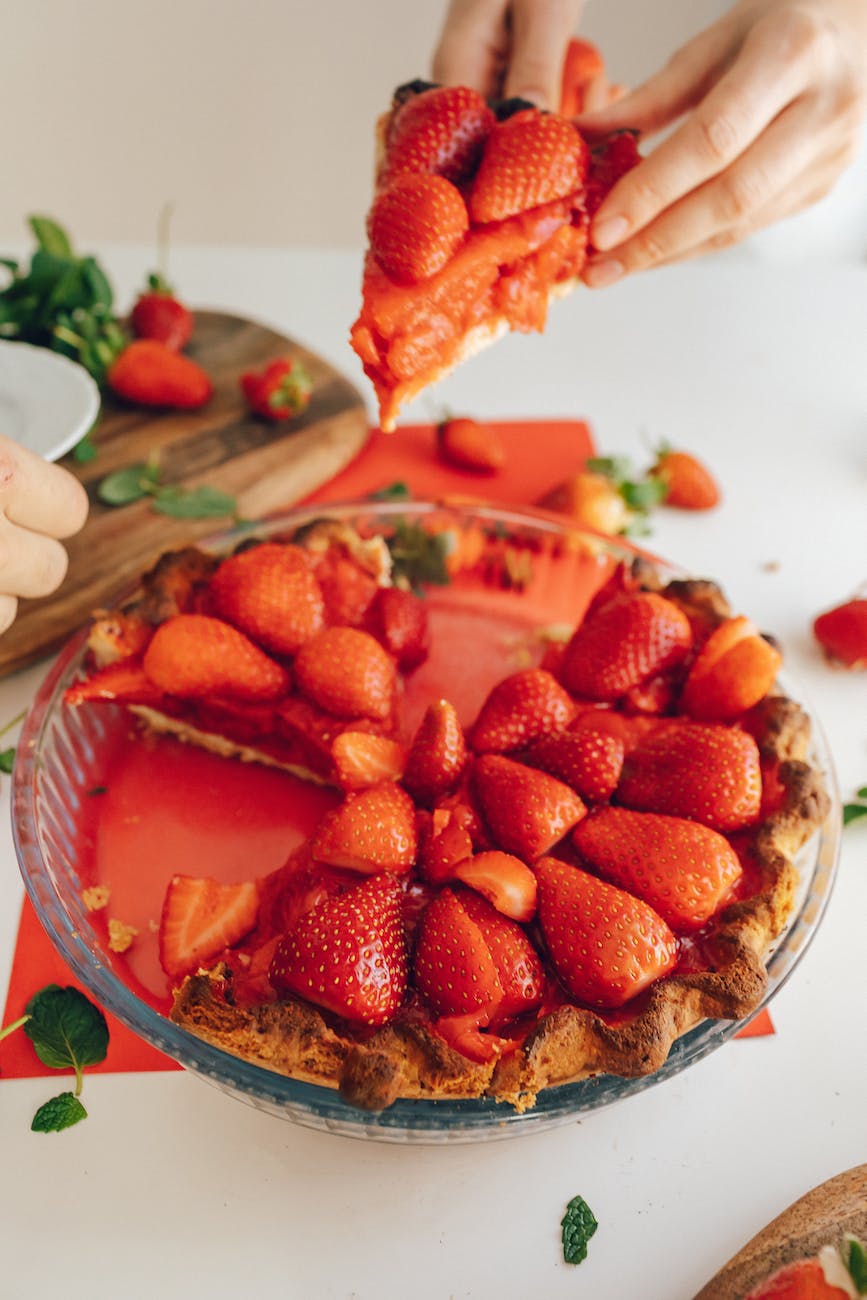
[{"x": 47, "y": 401}]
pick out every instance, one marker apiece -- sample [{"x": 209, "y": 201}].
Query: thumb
[{"x": 540, "y": 34}]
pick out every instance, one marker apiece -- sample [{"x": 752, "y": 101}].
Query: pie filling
[{"x": 560, "y": 889}]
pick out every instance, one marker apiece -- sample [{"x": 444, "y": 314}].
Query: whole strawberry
[
  {"x": 466, "y": 444},
  {"x": 527, "y": 811},
  {"x": 416, "y": 225},
  {"x": 438, "y": 754},
  {"x": 398, "y": 619},
  {"x": 688, "y": 483},
  {"x": 270, "y": 593},
  {"x": 623, "y": 642},
  {"x": 149, "y": 373},
  {"x": 347, "y": 672},
  {"x": 529, "y": 159},
  {"x": 519, "y": 709},
  {"x": 348, "y": 954},
  {"x": 842, "y": 633},
  {"x": 195, "y": 657},
  {"x": 440, "y": 131},
  {"x": 372, "y": 830},
  {"x": 159, "y": 314},
  {"x": 279, "y": 392}
]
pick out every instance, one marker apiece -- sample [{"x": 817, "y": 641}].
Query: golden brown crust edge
[{"x": 408, "y": 1060}]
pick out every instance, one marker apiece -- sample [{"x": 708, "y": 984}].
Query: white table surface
[{"x": 170, "y": 1188}]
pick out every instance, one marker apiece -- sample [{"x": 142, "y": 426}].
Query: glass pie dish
[{"x": 540, "y": 572}]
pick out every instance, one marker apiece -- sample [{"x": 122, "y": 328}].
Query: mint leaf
[
  {"x": 59, "y": 1113},
  {"x": 397, "y": 491},
  {"x": 50, "y": 237},
  {"x": 127, "y": 485},
  {"x": 7, "y": 759},
  {"x": 579, "y": 1225},
  {"x": 862, "y": 793},
  {"x": 617, "y": 468},
  {"x": 66, "y": 1030},
  {"x": 857, "y": 1264},
  {"x": 84, "y": 451},
  {"x": 851, "y": 812},
  {"x": 197, "y": 503},
  {"x": 419, "y": 556},
  {"x": 645, "y": 494}
]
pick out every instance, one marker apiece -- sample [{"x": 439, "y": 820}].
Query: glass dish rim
[{"x": 407, "y": 1119}]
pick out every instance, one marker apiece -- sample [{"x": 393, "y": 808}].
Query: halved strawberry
[
  {"x": 520, "y": 708},
  {"x": 454, "y": 969},
  {"x": 269, "y": 592},
  {"x": 194, "y": 656},
  {"x": 516, "y": 961},
  {"x": 623, "y": 642},
  {"x": 347, "y": 672},
  {"x": 200, "y": 918},
  {"x": 126, "y": 682},
  {"x": 842, "y": 633},
  {"x": 362, "y": 759},
  {"x": 710, "y": 774},
  {"x": 347, "y": 587},
  {"x": 372, "y": 831},
  {"x": 348, "y": 954},
  {"x": 735, "y": 668},
  {"x": 529, "y": 159},
  {"x": 440, "y": 131},
  {"x": 685, "y": 871},
  {"x": 588, "y": 760},
  {"x": 527, "y": 811},
  {"x": 504, "y": 880},
  {"x": 398, "y": 619},
  {"x": 443, "y": 844},
  {"x": 437, "y": 756},
  {"x": 416, "y": 225},
  {"x": 605, "y": 945}
]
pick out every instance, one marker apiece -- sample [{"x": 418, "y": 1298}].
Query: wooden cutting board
[
  {"x": 819, "y": 1218},
  {"x": 267, "y": 466}
]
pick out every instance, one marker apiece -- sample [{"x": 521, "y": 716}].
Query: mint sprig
[
  {"x": 578, "y": 1225},
  {"x": 68, "y": 1032},
  {"x": 852, "y": 811},
  {"x": 136, "y": 482}
]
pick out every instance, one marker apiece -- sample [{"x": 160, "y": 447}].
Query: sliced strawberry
[
  {"x": 589, "y": 760},
  {"x": 529, "y": 159},
  {"x": 467, "y": 444},
  {"x": 437, "y": 756},
  {"x": 125, "y": 682},
  {"x": 517, "y": 963},
  {"x": 454, "y": 969},
  {"x": 440, "y": 131},
  {"x": 347, "y": 587},
  {"x": 519, "y": 709},
  {"x": 312, "y": 732},
  {"x": 735, "y": 668},
  {"x": 504, "y": 880},
  {"x": 605, "y": 945},
  {"x": 527, "y": 811},
  {"x": 842, "y": 633},
  {"x": 803, "y": 1279},
  {"x": 269, "y": 592},
  {"x": 398, "y": 619},
  {"x": 200, "y": 918},
  {"x": 362, "y": 759},
  {"x": 416, "y": 225},
  {"x": 464, "y": 1034},
  {"x": 194, "y": 656},
  {"x": 623, "y": 642},
  {"x": 348, "y": 954},
  {"x": 347, "y": 672},
  {"x": 444, "y": 843},
  {"x": 685, "y": 871},
  {"x": 372, "y": 831},
  {"x": 710, "y": 774}
]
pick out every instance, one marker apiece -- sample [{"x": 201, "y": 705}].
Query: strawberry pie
[
  {"x": 553, "y": 880},
  {"x": 480, "y": 217}
]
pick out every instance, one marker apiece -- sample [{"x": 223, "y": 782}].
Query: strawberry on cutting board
[
  {"x": 605, "y": 945},
  {"x": 348, "y": 954},
  {"x": 200, "y": 918},
  {"x": 159, "y": 314},
  {"x": 148, "y": 373}
]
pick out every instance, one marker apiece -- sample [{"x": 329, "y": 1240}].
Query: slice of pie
[
  {"x": 480, "y": 217},
  {"x": 595, "y": 859}
]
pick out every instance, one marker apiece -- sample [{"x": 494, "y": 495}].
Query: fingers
[
  {"x": 30, "y": 564},
  {"x": 38, "y": 495},
  {"x": 540, "y": 33},
  {"x": 713, "y": 138},
  {"x": 769, "y": 181},
  {"x": 473, "y": 45}
]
